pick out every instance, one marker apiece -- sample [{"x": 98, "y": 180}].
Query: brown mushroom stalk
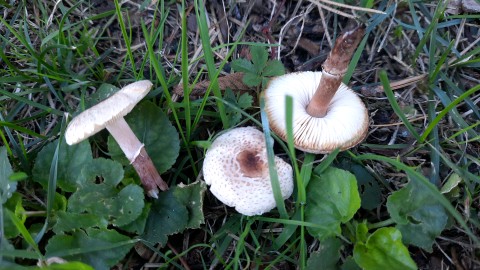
[
  {"x": 333, "y": 71},
  {"x": 135, "y": 152}
]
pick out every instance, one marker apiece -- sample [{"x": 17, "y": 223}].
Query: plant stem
[
  {"x": 379, "y": 224},
  {"x": 333, "y": 71}
]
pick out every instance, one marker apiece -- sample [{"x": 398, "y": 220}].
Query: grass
[{"x": 56, "y": 57}]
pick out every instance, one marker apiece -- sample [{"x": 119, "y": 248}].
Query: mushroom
[
  {"x": 327, "y": 114},
  {"x": 236, "y": 168},
  {"x": 109, "y": 114}
]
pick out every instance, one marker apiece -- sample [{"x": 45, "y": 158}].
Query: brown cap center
[{"x": 250, "y": 163}]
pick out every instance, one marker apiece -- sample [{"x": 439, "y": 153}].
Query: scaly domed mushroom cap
[
  {"x": 94, "y": 119},
  {"x": 236, "y": 168},
  {"x": 344, "y": 126}
]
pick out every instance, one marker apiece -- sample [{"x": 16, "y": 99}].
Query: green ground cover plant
[{"x": 407, "y": 197}]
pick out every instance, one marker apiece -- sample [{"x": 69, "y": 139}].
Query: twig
[{"x": 182, "y": 260}]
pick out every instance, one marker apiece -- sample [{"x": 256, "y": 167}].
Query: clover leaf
[{"x": 259, "y": 70}]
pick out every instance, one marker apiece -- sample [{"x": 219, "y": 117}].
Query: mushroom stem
[
  {"x": 135, "y": 152},
  {"x": 333, "y": 71}
]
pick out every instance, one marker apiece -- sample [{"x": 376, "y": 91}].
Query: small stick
[{"x": 333, "y": 71}]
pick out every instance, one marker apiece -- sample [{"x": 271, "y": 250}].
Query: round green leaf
[
  {"x": 383, "y": 250},
  {"x": 419, "y": 216},
  {"x": 72, "y": 159},
  {"x": 167, "y": 216},
  {"x": 332, "y": 199},
  {"x": 327, "y": 255},
  {"x": 100, "y": 248},
  {"x": 191, "y": 196},
  {"x": 153, "y": 128},
  {"x": 104, "y": 200}
]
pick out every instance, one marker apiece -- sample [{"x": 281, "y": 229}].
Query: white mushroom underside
[
  {"x": 94, "y": 119},
  {"x": 249, "y": 195},
  {"x": 344, "y": 124}
]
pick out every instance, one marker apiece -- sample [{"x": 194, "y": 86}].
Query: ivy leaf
[
  {"x": 104, "y": 200},
  {"x": 7, "y": 187},
  {"x": 327, "y": 255},
  {"x": 242, "y": 65},
  {"x": 153, "y": 128},
  {"x": 167, "y": 216},
  {"x": 71, "y": 161},
  {"x": 419, "y": 216},
  {"x": 191, "y": 196},
  {"x": 332, "y": 199},
  {"x": 259, "y": 58},
  {"x": 177, "y": 209},
  {"x": 67, "y": 221},
  {"x": 383, "y": 250},
  {"x": 100, "y": 248},
  {"x": 273, "y": 68},
  {"x": 138, "y": 225},
  {"x": 109, "y": 170}
]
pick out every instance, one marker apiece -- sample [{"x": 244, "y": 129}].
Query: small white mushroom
[
  {"x": 109, "y": 114},
  {"x": 236, "y": 168}
]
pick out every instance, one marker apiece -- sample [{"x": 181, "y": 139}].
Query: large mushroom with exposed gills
[
  {"x": 236, "y": 168},
  {"x": 327, "y": 114},
  {"x": 109, "y": 114}
]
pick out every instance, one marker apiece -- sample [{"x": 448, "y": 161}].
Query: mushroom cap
[
  {"x": 236, "y": 168},
  {"x": 344, "y": 126},
  {"x": 96, "y": 118}
]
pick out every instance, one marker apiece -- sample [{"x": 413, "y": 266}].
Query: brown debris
[{"x": 231, "y": 81}]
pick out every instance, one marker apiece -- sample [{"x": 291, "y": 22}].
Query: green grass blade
[
  {"x": 277, "y": 194},
  {"x": 186, "y": 94},
  {"x": 126, "y": 37},
  {"x": 209, "y": 59},
  {"x": 22, "y": 129},
  {"x": 25, "y": 254},
  {"x": 395, "y": 106},
  {"x": 52, "y": 184},
  {"x": 302, "y": 194},
  {"x": 31, "y": 103},
  {"x": 24, "y": 232},
  {"x": 446, "y": 110},
  {"x": 434, "y": 142}
]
